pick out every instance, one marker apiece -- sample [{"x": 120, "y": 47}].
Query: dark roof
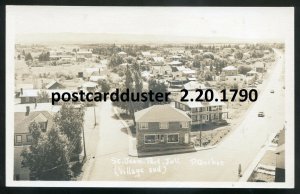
[
  {"x": 22, "y": 121},
  {"x": 161, "y": 113}
]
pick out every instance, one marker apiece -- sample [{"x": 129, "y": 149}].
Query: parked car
[
  {"x": 261, "y": 114},
  {"x": 272, "y": 91}
]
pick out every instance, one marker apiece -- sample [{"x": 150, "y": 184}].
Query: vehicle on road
[
  {"x": 272, "y": 91},
  {"x": 261, "y": 114}
]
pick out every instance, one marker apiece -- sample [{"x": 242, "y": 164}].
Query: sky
[{"x": 250, "y": 23}]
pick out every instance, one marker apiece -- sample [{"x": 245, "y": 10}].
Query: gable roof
[
  {"x": 22, "y": 121},
  {"x": 52, "y": 83},
  {"x": 161, "y": 113}
]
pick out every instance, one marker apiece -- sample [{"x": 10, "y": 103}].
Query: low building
[
  {"x": 259, "y": 67},
  {"x": 202, "y": 112},
  {"x": 54, "y": 85},
  {"x": 230, "y": 71},
  {"x": 28, "y": 96},
  {"x": 193, "y": 85},
  {"x": 169, "y": 130}
]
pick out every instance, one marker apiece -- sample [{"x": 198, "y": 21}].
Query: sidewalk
[{"x": 132, "y": 151}]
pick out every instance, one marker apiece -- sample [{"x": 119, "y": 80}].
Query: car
[
  {"x": 261, "y": 114},
  {"x": 272, "y": 91}
]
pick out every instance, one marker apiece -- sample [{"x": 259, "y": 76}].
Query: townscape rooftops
[{"x": 166, "y": 113}]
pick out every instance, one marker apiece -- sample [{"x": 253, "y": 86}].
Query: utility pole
[
  {"x": 83, "y": 143},
  {"x": 95, "y": 116}
]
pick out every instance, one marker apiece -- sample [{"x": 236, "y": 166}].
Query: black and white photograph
[{"x": 150, "y": 96}]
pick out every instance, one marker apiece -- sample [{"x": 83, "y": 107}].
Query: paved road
[{"x": 219, "y": 164}]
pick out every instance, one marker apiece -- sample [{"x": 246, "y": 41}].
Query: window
[
  {"x": 164, "y": 125},
  {"x": 194, "y": 117},
  {"x": 205, "y": 117},
  {"x": 220, "y": 107},
  {"x": 173, "y": 138},
  {"x": 217, "y": 116},
  {"x": 143, "y": 125},
  {"x": 28, "y": 138},
  {"x": 212, "y": 116},
  {"x": 184, "y": 124},
  {"x": 43, "y": 126},
  {"x": 19, "y": 138},
  {"x": 150, "y": 139}
]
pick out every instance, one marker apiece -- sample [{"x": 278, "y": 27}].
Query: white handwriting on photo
[{"x": 137, "y": 167}]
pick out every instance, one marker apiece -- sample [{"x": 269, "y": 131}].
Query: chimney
[{"x": 27, "y": 110}]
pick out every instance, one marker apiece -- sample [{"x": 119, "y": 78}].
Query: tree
[
  {"x": 156, "y": 86},
  {"x": 46, "y": 157},
  {"x": 44, "y": 56},
  {"x": 244, "y": 69},
  {"x": 28, "y": 57},
  {"x": 105, "y": 87},
  {"x": 43, "y": 96},
  {"x": 208, "y": 76},
  {"x": 238, "y": 55},
  {"x": 69, "y": 121}
]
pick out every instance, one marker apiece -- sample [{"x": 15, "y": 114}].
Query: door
[{"x": 186, "y": 138}]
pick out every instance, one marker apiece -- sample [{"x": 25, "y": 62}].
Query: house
[
  {"x": 89, "y": 86},
  {"x": 22, "y": 137},
  {"x": 54, "y": 85},
  {"x": 122, "y": 54},
  {"x": 161, "y": 70},
  {"x": 201, "y": 112},
  {"x": 158, "y": 60},
  {"x": 259, "y": 67},
  {"x": 20, "y": 87},
  {"x": 28, "y": 96},
  {"x": 24, "y": 119},
  {"x": 230, "y": 71},
  {"x": 193, "y": 85},
  {"x": 169, "y": 130}
]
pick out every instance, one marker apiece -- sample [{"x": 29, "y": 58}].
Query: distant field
[{"x": 24, "y": 74}]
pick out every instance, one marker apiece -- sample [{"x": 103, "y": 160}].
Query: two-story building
[
  {"x": 202, "y": 112},
  {"x": 22, "y": 137},
  {"x": 162, "y": 127}
]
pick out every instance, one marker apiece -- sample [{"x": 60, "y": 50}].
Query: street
[{"x": 108, "y": 151}]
